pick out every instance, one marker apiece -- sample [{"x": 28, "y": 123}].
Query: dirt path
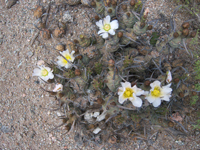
[{"x": 25, "y": 116}]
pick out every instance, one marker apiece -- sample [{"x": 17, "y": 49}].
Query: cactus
[{"x": 112, "y": 79}]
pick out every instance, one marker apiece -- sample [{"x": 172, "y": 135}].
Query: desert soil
[{"x": 26, "y": 119}]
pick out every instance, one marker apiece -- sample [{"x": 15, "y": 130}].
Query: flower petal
[
  {"x": 122, "y": 99},
  {"x": 138, "y": 91},
  {"x": 150, "y": 98},
  {"x": 157, "y": 102},
  {"x": 126, "y": 84},
  {"x": 114, "y": 24},
  {"x": 155, "y": 83},
  {"x": 111, "y": 31},
  {"x": 36, "y": 72},
  {"x": 106, "y": 20},
  {"x": 120, "y": 91},
  {"x": 99, "y": 23},
  {"x": 50, "y": 75},
  {"x": 166, "y": 97},
  {"x": 104, "y": 35},
  {"x": 136, "y": 101},
  {"x": 101, "y": 31}
]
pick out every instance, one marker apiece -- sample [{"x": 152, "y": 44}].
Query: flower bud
[
  {"x": 124, "y": 7},
  {"x": 111, "y": 63},
  {"x": 149, "y": 27},
  {"x": 77, "y": 72},
  {"x": 119, "y": 34},
  {"x": 193, "y": 34},
  {"x": 175, "y": 35},
  {"x": 132, "y": 2},
  {"x": 185, "y": 32},
  {"x": 186, "y": 25}
]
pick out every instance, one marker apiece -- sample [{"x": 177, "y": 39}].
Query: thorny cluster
[{"x": 105, "y": 84}]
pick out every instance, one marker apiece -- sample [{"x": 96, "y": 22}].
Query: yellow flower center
[
  {"x": 68, "y": 57},
  {"x": 156, "y": 92},
  {"x": 128, "y": 93},
  {"x": 107, "y": 27},
  {"x": 44, "y": 72}
]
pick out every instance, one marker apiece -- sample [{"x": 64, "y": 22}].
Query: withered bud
[
  {"x": 193, "y": 34},
  {"x": 113, "y": 104},
  {"x": 60, "y": 47},
  {"x": 68, "y": 127},
  {"x": 194, "y": 93},
  {"x": 147, "y": 83},
  {"x": 186, "y": 25},
  {"x": 170, "y": 124},
  {"x": 53, "y": 93},
  {"x": 181, "y": 94},
  {"x": 79, "y": 57},
  {"x": 150, "y": 27},
  {"x": 97, "y": 18},
  {"x": 100, "y": 101},
  {"x": 142, "y": 24},
  {"x": 111, "y": 63},
  {"x": 93, "y": 4},
  {"x": 133, "y": 83},
  {"x": 128, "y": 14},
  {"x": 185, "y": 32},
  {"x": 77, "y": 72},
  {"x": 132, "y": 3},
  {"x": 145, "y": 17},
  {"x": 124, "y": 7},
  {"x": 38, "y": 12},
  {"x": 110, "y": 10},
  {"x": 46, "y": 34},
  {"x": 76, "y": 41},
  {"x": 60, "y": 95},
  {"x": 90, "y": 126},
  {"x": 176, "y": 80},
  {"x": 114, "y": 3},
  {"x": 119, "y": 34},
  {"x": 175, "y": 35}
]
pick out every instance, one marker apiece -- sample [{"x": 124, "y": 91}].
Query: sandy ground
[{"x": 25, "y": 117}]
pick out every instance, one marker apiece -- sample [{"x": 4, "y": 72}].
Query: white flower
[
  {"x": 63, "y": 62},
  {"x": 43, "y": 72},
  {"x": 158, "y": 93},
  {"x": 101, "y": 117},
  {"x": 59, "y": 87},
  {"x": 97, "y": 130},
  {"x": 169, "y": 77},
  {"x": 107, "y": 27},
  {"x": 127, "y": 92}
]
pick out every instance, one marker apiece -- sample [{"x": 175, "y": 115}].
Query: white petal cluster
[
  {"x": 127, "y": 92},
  {"x": 158, "y": 93},
  {"x": 58, "y": 87},
  {"x": 45, "y": 73},
  {"x": 66, "y": 59},
  {"x": 106, "y": 27}
]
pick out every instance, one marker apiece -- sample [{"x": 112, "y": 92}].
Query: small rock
[
  {"x": 30, "y": 54},
  {"x": 5, "y": 129},
  {"x": 67, "y": 17},
  {"x": 1, "y": 41},
  {"x": 86, "y": 2},
  {"x": 1, "y": 36},
  {"x": 10, "y": 3}
]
